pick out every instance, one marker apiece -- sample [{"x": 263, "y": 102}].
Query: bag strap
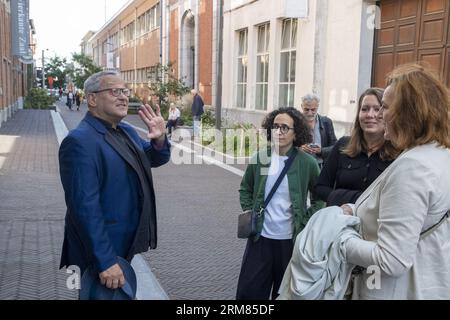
[
  {"x": 287, "y": 164},
  {"x": 433, "y": 227}
]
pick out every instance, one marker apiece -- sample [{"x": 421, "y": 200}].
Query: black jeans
[
  {"x": 171, "y": 124},
  {"x": 263, "y": 267}
]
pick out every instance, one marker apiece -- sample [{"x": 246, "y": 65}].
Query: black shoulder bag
[{"x": 247, "y": 220}]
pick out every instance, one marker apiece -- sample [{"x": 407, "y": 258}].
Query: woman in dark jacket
[{"x": 356, "y": 161}]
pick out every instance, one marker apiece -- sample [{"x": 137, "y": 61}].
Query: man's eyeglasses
[
  {"x": 284, "y": 128},
  {"x": 116, "y": 92}
]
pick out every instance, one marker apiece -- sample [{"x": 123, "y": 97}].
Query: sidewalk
[
  {"x": 201, "y": 260},
  {"x": 32, "y": 210}
]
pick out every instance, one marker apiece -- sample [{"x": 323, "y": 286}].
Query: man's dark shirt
[
  {"x": 133, "y": 155},
  {"x": 121, "y": 138}
]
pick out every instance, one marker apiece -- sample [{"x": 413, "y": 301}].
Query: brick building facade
[
  {"x": 13, "y": 84},
  {"x": 192, "y": 43},
  {"x": 130, "y": 43},
  {"x": 147, "y": 32}
]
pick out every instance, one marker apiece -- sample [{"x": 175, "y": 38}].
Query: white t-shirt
[
  {"x": 174, "y": 115},
  {"x": 278, "y": 218}
]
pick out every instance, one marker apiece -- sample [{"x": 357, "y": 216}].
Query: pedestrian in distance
[
  {"x": 197, "y": 111},
  {"x": 174, "y": 116},
  {"x": 269, "y": 251},
  {"x": 78, "y": 99},
  {"x": 404, "y": 213},
  {"x": 105, "y": 169},
  {"x": 69, "y": 99},
  {"x": 357, "y": 160},
  {"x": 321, "y": 128}
]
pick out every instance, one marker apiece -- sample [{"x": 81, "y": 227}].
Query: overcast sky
[{"x": 61, "y": 24}]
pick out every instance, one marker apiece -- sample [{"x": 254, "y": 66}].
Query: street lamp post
[{"x": 43, "y": 69}]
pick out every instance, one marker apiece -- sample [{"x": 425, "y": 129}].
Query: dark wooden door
[{"x": 412, "y": 31}]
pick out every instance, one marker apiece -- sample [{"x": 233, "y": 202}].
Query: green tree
[
  {"x": 56, "y": 68},
  {"x": 163, "y": 83},
  {"x": 37, "y": 98},
  {"x": 81, "y": 68}
]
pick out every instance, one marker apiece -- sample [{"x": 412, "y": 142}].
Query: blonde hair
[{"x": 420, "y": 107}]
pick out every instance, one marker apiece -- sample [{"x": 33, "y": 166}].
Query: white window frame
[
  {"x": 242, "y": 58},
  {"x": 290, "y": 49},
  {"x": 265, "y": 55}
]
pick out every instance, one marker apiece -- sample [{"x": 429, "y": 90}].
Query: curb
[{"x": 148, "y": 287}]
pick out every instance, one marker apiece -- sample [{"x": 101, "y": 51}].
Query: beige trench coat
[{"x": 410, "y": 196}]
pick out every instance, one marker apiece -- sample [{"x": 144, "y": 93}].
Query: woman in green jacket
[{"x": 269, "y": 251}]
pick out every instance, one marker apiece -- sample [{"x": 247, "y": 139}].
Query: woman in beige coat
[{"x": 405, "y": 228}]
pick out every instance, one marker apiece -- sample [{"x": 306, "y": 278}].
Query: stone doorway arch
[{"x": 187, "y": 56}]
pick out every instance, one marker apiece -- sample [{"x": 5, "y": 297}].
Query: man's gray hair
[
  {"x": 310, "y": 97},
  {"x": 93, "y": 83}
]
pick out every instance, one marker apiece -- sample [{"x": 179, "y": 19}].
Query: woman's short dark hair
[{"x": 301, "y": 129}]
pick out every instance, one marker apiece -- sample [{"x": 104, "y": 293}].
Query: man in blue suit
[{"x": 107, "y": 180}]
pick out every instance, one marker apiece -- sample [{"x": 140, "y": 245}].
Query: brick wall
[
  {"x": 127, "y": 57},
  {"x": 148, "y": 49},
  {"x": 205, "y": 49},
  {"x": 147, "y": 45},
  {"x": 5, "y": 58},
  {"x": 173, "y": 45},
  {"x": 12, "y": 72},
  {"x": 2, "y": 54}
]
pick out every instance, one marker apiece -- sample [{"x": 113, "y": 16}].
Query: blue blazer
[
  {"x": 197, "y": 106},
  {"x": 104, "y": 195}
]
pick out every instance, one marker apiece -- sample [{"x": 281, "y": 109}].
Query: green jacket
[{"x": 302, "y": 176}]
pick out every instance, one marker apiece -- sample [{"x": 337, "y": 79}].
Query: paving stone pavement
[
  {"x": 31, "y": 210},
  {"x": 198, "y": 255}
]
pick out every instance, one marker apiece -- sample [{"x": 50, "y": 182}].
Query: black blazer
[
  {"x": 343, "y": 179},
  {"x": 327, "y": 136},
  {"x": 197, "y": 106}
]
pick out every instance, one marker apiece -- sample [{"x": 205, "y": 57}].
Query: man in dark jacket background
[
  {"x": 105, "y": 170},
  {"x": 322, "y": 129},
  {"x": 197, "y": 111}
]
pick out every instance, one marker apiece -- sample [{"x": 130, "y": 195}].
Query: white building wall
[
  {"x": 371, "y": 19},
  {"x": 348, "y": 61},
  {"x": 244, "y": 14},
  {"x": 305, "y": 54},
  {"x": 342, "y": 61}
]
